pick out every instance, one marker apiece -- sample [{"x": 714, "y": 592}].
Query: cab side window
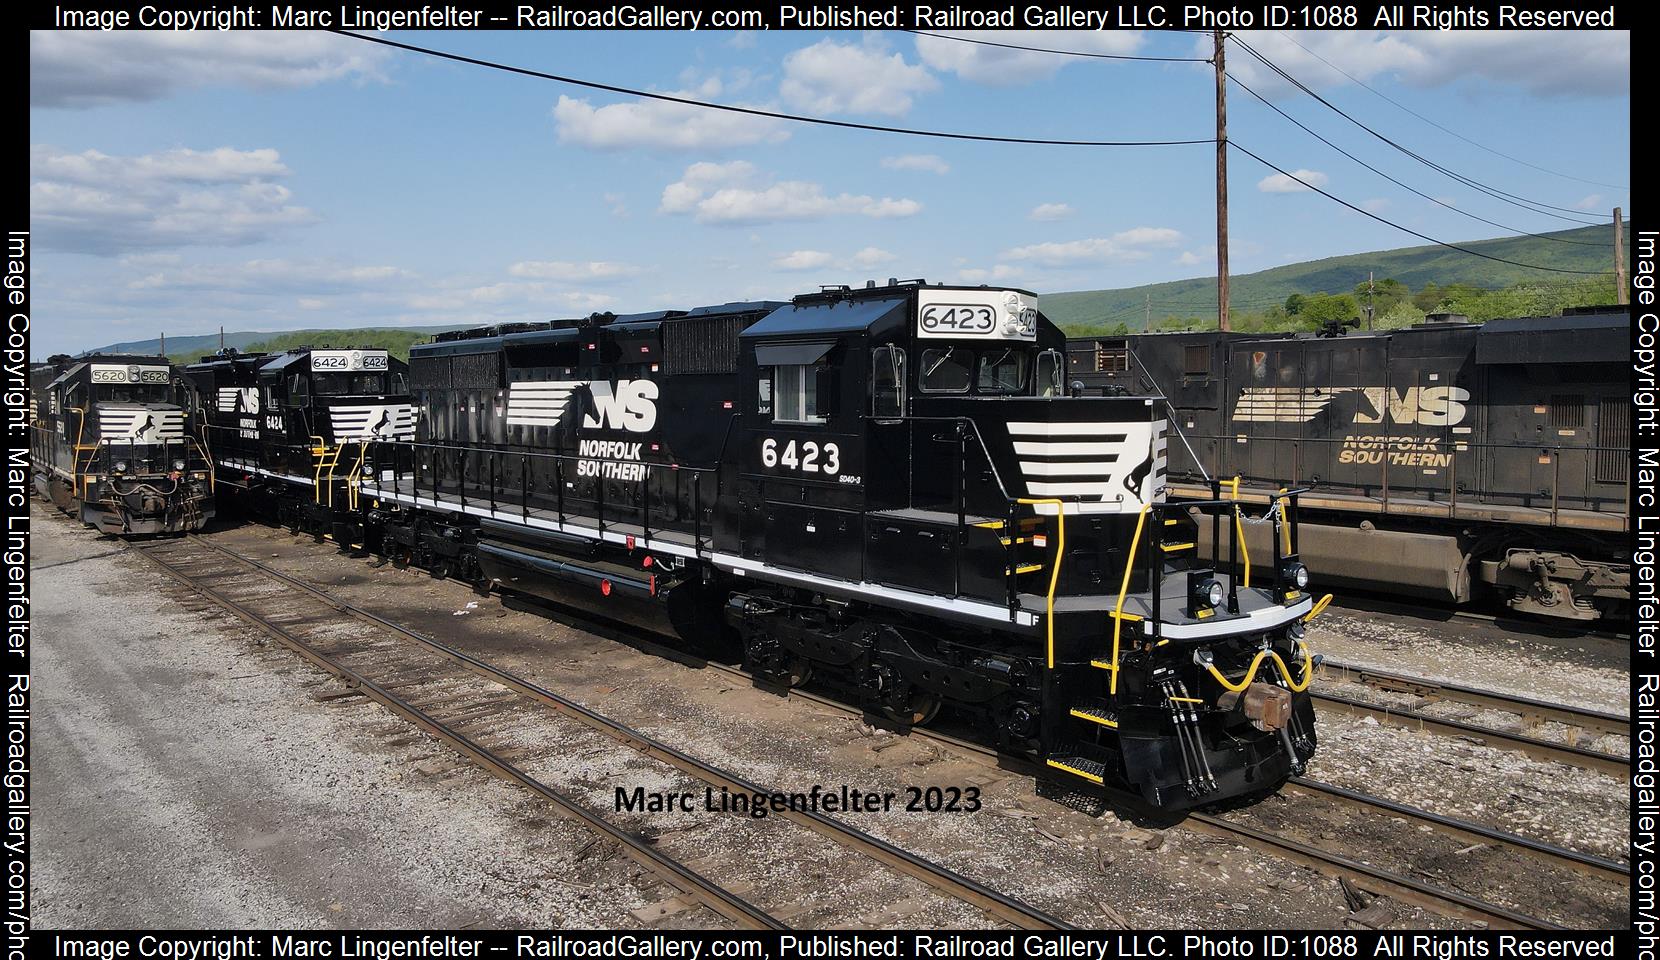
[
  {"x": 887, "y": 382},
  {"x": 796, "y": 394}
]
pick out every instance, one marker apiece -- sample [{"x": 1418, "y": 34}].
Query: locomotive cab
[
  {"x": 114, "y": 441},
  {"x": 304, "y": 416},
  {"x": 918, "y": 442}
]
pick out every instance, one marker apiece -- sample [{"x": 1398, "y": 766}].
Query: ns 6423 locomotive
[{"x": 891, "y": 490}]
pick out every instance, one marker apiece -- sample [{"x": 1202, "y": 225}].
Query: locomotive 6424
[{"x": 889, "y": 489}]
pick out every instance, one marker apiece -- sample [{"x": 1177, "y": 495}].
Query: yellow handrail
[
  {"x": 1054, "y": 572},
  {"x": 1319, "y": 608},
  {"x": 1295, "y": 686},
  {"x": 1239, "y": 530},
  {"x": 356, "y": 479},
  {"x": 1285, "y": 531},
  {"x": 1123, "y": 591}
]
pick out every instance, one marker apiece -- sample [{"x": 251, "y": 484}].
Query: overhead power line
[
  {"x": 1052, "y": 50},
  {"x": 1448, "y": 130},
  {"x": 1243, "y": 86},
  {"x": 1404, "y": 229},
  {"x": 758, "y": 112},
  {"x": 1492, "y": 191}
]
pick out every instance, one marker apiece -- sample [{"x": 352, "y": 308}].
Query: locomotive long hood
[{"x": 1106, "y": 454}]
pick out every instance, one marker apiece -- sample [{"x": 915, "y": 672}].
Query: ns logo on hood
[{"x": 629, "y": 405}]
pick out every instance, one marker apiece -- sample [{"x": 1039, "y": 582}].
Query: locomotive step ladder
[
  {"x": 1096, "y": 711},
  {"x": 1081, "y": 760}
]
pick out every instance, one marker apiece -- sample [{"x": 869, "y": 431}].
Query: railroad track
[
  {"x": 1597, "y": 722},
  {"x": 1403, "y": 887},
  {"x": 1360, "y": 606},
  {"x": 283, "y": 616}
]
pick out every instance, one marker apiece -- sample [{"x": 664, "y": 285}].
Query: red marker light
[
  {"x": 628, "y": 541},
  {"x": 605, "y": 588},
  {"x": 726, "y": 404},
  {"x": 645, "y": 349},
  {"x": 646, "y": 562}
]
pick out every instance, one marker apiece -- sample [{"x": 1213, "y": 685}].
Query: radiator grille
[{"x": 1613, "y": 440}]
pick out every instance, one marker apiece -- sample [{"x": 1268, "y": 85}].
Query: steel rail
[
  {"x": 1531, "y": 746},
  {"x": 1576, "y": 860},
  {"x": 1600, "y": 721},
  {"x": 942, "y": 878},
  {"x": 704, "y": 890}
]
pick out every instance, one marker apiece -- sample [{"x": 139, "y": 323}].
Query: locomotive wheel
[
  {"x": 922, "y": 711},
  {"x": 801, "y": 671}
]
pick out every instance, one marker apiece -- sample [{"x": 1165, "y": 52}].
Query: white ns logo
[{"x": 631, "y": 406}]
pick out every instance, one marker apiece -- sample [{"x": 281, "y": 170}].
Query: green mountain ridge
[
  {"x": 1587, "y": 248},
  {"x": 1084, "y": 311}
]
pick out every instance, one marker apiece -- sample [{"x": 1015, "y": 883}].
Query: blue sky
[{"x": 180, "y": 182}]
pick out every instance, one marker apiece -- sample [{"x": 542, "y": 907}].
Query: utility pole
[
  {"x": 1221, "y": 187},
  {"x": 1621, "y": 297},
  {"x": 1149, "y": 321},
  {"x": 164, "y": 344},
  {"x": 221, "y": 338},
  {"x": 1371, "y": 308}
]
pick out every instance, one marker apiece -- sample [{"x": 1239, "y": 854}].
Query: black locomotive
[
  {"x": 114, "y": 441},
  {"x": 290, "y": 431},
  {"x": 891, "y": 489},
  {"x": 1439, "y": 458}
]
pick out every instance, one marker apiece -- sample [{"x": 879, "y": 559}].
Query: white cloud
[
  {"x": 93, "y": 202},
  {"x": 803, "y": 260},
  {"x": 1374, "y": 205},
  {"x": 88, "y": 69},
  {"x": 1189, "y": 259},
  {"x": 1001, "y": 271},
  {"x": 737, "y": 193},
  {"x": 872, "y": 256},
  {"x": 926, "y": 162},
  {"x": 1050, "y": 211},
  {"x": 831, "y": 77},
  {"x": 311, "y": 303},
  {"x": 1592, "y": 202},
  {"x": 593, "y": 271},
  {"x": 1282, "y": 183},
  {"x": 1003, "y": 67},
  {"x": 1126, "y": 245},
  {"x": 1546, "y": 62},
  {"x": 660, "y": 125},
  {"x": 270, "y": 276}
]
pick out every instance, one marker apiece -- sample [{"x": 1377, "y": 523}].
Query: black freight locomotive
[
  {"x": 290, "y": 431},
  {"x": 1440, "y": 459},
  {"x": 113, "y": 441},
  {"x": 889, "y": 489}
]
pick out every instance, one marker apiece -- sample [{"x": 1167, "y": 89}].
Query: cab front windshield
[
  {"x": 349, "y": 384},
  {"x": 132, "y": 392},
  {"x": 999, "y": 371}
]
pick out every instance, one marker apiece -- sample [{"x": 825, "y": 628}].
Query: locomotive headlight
[
  {"x": 178, "y": 464},
  {"x": 1297, "y": 575},
  {"x": 1207, "y": 593}
]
